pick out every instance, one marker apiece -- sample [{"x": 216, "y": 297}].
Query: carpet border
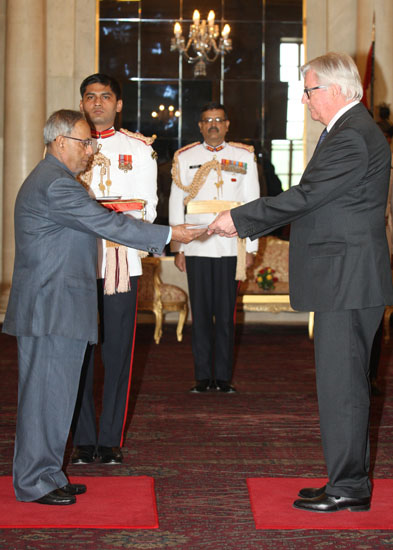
[
  {"x": 319, "y": 481},
  {"x": 154, "y": 525}
]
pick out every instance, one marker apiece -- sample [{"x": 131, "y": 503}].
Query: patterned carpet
[{"x": 201, "y": 448}]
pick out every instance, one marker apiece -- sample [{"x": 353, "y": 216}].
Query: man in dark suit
[
  {"x": 53, "y": 302},
  {"x": 339, "y": 267}
]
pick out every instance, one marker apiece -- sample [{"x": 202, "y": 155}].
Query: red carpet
[
  {"x": 109, "y": 503},
  {"x": 272, "y": 499}
]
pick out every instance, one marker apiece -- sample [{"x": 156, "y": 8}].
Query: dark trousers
[
  {"x": 343, "y": 342},
  {"x": 213, "y": 290},
  {"x": 117, "y": 332},
  {"x": 48, "y": 377}
]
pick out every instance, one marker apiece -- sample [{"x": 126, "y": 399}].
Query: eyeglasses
[
  {"x": 217, "y": 119},
  {"x": 85, "y": 142},
  {"x": 308, "y": 90}
]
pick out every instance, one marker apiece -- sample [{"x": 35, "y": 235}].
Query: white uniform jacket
[
  {"x": 237, "y": 186},
  {"x": 138, "y": 183}
]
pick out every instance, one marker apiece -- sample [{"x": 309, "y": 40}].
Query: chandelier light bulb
[
  {"x": 225, "y": 31},
  {"x": 154, "y": 114},
  {"x": 196, "y": 16},
  {"x": 162, "y": 107},
  {"x": 210, "y": 18},
  {"x": 171, "y": 108},
  {"x": 177, "y": 30}
]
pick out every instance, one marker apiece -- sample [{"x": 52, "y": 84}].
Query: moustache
[{"x": 213, "y": 128}]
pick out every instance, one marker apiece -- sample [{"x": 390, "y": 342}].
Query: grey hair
[
  {"x": 61, "y": 123},
  {"x": 337, "y": 68}
]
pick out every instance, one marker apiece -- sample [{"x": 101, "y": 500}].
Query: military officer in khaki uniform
[{"x": 207, "y": 177}]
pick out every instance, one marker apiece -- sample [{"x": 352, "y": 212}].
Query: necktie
[{"x": 321, "y": 138}]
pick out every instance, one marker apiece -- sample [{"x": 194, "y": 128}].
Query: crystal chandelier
[{"x": 203, "y": 41}]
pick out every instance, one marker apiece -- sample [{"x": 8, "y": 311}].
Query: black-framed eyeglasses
[
  {"x": 85, "y": 142},
  {"x": 308, "y": 90},
  {"x": 217, "y": 119}
]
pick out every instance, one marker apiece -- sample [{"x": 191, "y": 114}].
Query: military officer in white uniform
[
  {"x": 204, "y": 175},
  {"x": 123, "y": 168}
]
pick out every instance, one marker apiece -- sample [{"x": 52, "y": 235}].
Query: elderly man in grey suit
[
  {"x": 339, "y": 267},
  {"x": 53, "y": 302}
]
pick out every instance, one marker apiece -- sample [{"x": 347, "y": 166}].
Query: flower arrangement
[{"x": 265, "y": 278}]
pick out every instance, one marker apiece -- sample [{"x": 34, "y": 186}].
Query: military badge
[
  {"x": 125, "y": 162},
  {"x": 234, "y": 166}
]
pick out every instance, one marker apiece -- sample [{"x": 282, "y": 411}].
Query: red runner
[
  {"x": 272, "y": 499},
  {"x": 110, "y": 503}
]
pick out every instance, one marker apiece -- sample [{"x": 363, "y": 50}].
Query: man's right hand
[
  {"x": 180, "y": 261},
  {"x": 181, "y": 234}
]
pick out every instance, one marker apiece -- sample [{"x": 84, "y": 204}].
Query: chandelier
[{"x": 202, "y": 39}]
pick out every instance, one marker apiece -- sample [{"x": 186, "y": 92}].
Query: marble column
[
  {"x": 329, "y": 25},
  {"x": 24, "y": 112}
]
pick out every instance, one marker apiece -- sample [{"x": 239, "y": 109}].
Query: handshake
[{"x": 223, "y": 225}]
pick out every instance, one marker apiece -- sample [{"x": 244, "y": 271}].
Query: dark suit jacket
[
  {"x": 54, "y": 288},
  {"x": 338, "y": 250}
]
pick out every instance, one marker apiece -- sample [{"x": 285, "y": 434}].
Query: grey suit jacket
[
  {"x": 56, "y": 225},
  {"x": 338, "y": 250}
]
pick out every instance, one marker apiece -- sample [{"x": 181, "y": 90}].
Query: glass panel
[
  {"x": 245, "y": 59},
  {"x": 129, "y": 114},
  {"x": 295, "y": 111},
  {"x": 288, "y": 73},
  {"x": 118, "y": 48},
  {"x": 160, "y": 9},
  {"x": 294, "y": 130},
  {"x": 156, "y": 59},
  {"x": 284, "y": 10},
  {"x": 113, "y": 9},
  {"x": 243, "y": 102},
  {"x": 237, "y": 75},
  {"x": 159, "y": 108},
  {"x": 203, "y": 6},
  {"x": 295, "y": 91},
  {"x": 235, "y": 10},
  {"x": 196, "y": 93},
  {"x": 289, "y": 55},
  {"x": 213, "y": 70}
]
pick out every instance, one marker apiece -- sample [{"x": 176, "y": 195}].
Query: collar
[
  {"x": 340, "y": 113},
  {"x": 102, "y": 135},
  {"x": 214, "y": 149}
]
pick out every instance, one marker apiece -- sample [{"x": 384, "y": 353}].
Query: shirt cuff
[{"x": 169, "y": 235}]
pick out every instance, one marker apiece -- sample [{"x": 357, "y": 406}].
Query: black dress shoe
[
  {"x": 83, "y": 454},
  {"x": 74, "y": 489},
  {"x": 57, "y": 498},
  {"x": 328, "y": 503},
  {"x": 202, "y": 386},
  {"x": 310, "y": 492},
  {"x": 110, "y": 455},
  {"x": 224, "y": 387}
]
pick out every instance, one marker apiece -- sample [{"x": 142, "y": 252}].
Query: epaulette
[
  {"x": 249, "y": 148},
  {"x": 186, "y": 147},
  {"x": 139, "y": 136}
]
